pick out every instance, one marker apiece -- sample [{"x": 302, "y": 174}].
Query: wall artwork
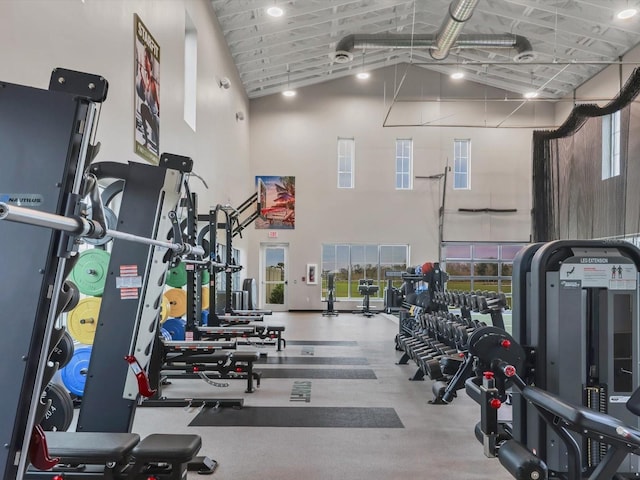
[
  {"x": 312, "y": 274},
  {"x": 147, "y": 93},
  {"x": 277, "y": 196}
]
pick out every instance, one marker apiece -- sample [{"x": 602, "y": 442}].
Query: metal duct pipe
[
  {"x": 473, "y": 40},
  {"x": 441, "y": 42},
  {"x": 459, "y": 13}
]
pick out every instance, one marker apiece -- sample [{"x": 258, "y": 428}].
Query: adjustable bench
[{"x": 119, "y": 456}]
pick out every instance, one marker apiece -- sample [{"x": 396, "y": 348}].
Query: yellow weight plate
[
  {"x": 178, "y": 302},
  {"x": 205, "y": 298},
  {"x": 165, "y": 306},
  {"x": 82, "y": 321}
]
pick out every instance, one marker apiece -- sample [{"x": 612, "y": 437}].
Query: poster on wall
[
  {"x": 277, "y": 196},
  {"x": 147, "y": 93}
]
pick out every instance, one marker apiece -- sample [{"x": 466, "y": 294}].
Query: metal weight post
[{"x": 44, "y": 143}]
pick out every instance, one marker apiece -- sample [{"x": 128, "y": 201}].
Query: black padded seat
[
  {"x": 171, "y": 448},
  {"x": 245, "y": 356},
  {"x": 207, "y": 357},
  {"x": 93, "y": 448}
]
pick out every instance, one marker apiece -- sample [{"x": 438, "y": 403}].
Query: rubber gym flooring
[{"x": 371, "y": 425}]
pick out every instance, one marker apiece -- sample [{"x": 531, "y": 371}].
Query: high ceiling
[{"x": 572, "y": 40}]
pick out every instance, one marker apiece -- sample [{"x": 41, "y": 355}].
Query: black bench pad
[
  {"x": 270, "y": 328},
  {"x": 170, "y": 448},
  {"x": 95, "y": 448},
  {"x": 245, "y": 356}
]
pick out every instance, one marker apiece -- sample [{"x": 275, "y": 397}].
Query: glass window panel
[
  {"x": 459, "y": 284},
  {"x": 485, "y": 251},
  {"x": 483, "y": 269},
  {"x": 488, "y": 285},
  {"x": 458, "y": 251},
  {"x": 344, "y": 180},
  {"x": 507, "y": 269},
  {"x": 509, "y": 251},
  {"x": 458, "y": 268}
]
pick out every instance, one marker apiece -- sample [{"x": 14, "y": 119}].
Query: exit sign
[{"x": 273, "y": 234}]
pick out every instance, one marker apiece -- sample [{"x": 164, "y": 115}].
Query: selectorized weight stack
[{"x": 575, "y": 310}]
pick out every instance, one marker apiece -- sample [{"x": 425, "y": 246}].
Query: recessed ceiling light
[
  {"x": 289, "y": 93},
  {"x": 363, "y": 75},
  {"x": 627, "y": 13},
  {"x": 531, "y": 94},
  {"x": 457, "y": 75},
  {"x": 275, "y": 11}
]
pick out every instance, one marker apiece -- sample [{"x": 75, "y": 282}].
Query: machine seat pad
[
  {"x": 245, "y": 356},
  {"x": 172, "y": 448},
  {"x": 92, "y": 448}
]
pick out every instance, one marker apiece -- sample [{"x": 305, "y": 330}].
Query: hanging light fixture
[
  {"x": 627, "y": 12},
  {"x": 289, "y": 92},
  {"x": 275, "y": 11},
  {"x": 458, "y": 74},
  {"x": 362, "y": 75},
  {"x": 533, "y": 93}
]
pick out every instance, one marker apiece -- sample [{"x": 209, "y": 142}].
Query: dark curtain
[{"x": 570, "y": 199}]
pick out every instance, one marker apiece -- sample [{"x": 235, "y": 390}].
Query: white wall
[
  {"x": 298, "y": 137},
  {"x": 97, "y": 36},
  {"x": 603, "y": 87}
]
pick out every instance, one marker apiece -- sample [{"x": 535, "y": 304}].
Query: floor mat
[
  {"x": 314, "y": 360},
  {"x": 333, "y": 373},
  {"x": 325, "y": 343},
  {"x": 331, "y": 417}
]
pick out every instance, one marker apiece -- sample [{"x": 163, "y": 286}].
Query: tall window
[
  {"x": 190, "y": 71},
  {"x": 404, "y": 164},
  {"x": 611, "y": 145},
  {"x": 346, "y": 158},
  {"x": 351, "y": 263},
  {"x": 480, "y": 266},
  {"x": 461, "y": 161}
]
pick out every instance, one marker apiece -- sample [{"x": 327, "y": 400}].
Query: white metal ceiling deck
[{"x": 572, "y": 40}]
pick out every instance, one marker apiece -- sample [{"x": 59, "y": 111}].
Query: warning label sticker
[{"x": 129, "y": 282}]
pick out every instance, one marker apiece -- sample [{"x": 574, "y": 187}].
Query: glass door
[{"x": 274, "y": 275}]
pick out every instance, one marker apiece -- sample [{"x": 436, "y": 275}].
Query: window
[
  {"x": 461, "y": 161},
  {"x": 346, "y": 157},
  {"x": 611, "y": 145},
  {"x": 480, "y": 266},
  {"x": 190, "y": 71},
  {"x": 351, "y": 263},
  {"x": 404, "y": 164}
]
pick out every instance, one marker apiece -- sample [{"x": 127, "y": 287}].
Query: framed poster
[
  {"x": 147, "y": 93},
  {"x": 277, "y": 197},
  {"x": 312, "y": 273}
]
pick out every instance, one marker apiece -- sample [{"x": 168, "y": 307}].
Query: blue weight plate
[
  {"x": 165, "y": 334},
  {"x": 74, "y": 375},
  {"x": 204, "y": 318},
  {"x": 176, "y": 327}
]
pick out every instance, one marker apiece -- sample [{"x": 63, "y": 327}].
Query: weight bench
[
  {"x": 225, "y": 364},
  {"x": 274, "y": 332},
  {"x": 119, "y": 456}
]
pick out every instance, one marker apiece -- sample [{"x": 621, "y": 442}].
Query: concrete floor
[{"x": 437, "y": 441}]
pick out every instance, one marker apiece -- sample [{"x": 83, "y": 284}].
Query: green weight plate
[
  {"x": 83, "y": 320},
  {"x": 205, "y": 277},
  {"x": 90, "y": 272},
  {"x": 177, "y": 276}
]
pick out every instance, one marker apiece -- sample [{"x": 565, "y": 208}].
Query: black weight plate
[
  {"x": 63, "y": 351},
  {"x": 59, "y": 416}
]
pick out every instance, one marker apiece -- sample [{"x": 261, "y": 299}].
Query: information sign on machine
[{"x": 614, "y": 273}]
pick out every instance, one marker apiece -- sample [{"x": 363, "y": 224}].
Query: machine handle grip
[{"x": 143, "y": 380}]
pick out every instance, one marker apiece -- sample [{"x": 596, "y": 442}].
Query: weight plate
[
  {"x": 74, "y": 375},
  {"x": 175, "y": 327},
  {"x": 83, "y": 320},
  {"x": 205, "y": 277},
  {"x": 59, "y": 416},
  {"x": 165, "y": 306},
  {"x": 63, "y": 351},
  {"x": 112, "y": 224},
  {"x": 90, "y": 272},
  {"x": 164, "y": 333},
  {"x": 178, "y": 302},
  {"x": 177, "y": 276},
  {"x": 205, "y": 298},
  {"x": 71, "y": 288}
]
